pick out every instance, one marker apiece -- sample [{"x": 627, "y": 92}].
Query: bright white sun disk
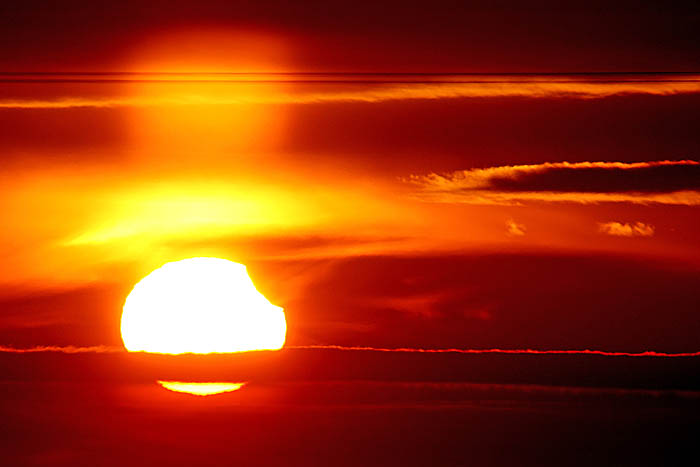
[{"x": 200, "y": 305}]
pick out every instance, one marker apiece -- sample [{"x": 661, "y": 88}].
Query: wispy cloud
[
  {"x": 619, "y": 229},
  {"x": 515, "y": 229},
  {"x": 664, "y": 182}
]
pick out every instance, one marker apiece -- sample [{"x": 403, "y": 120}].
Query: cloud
[
  {"x": 69, "y": 349},
  {"x": 515, "y": 229},
  {"x": 664, "y": 182},
  {"x": 618, "y": 229},
  {"x": 648, "y": 353},
  {"x": 234, "y": 89}
]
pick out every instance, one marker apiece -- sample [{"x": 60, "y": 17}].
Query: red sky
[
  {"x": 429, "y": 175},
  {"x": 392, "y": 36},
  {"x": 377, "y": 194}
]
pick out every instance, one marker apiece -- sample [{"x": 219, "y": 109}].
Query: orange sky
[
  {"x": 136, "y": 173},
  {"x": 251, "y": 142},
  {"x": 306, "y": 178}
]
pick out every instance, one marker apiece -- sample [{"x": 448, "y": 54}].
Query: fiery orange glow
[
  {"x": 201, "y": 389},
  {"x": 200, "y": 305}
]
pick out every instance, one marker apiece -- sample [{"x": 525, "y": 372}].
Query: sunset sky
[{"x": 429, "y": 176}]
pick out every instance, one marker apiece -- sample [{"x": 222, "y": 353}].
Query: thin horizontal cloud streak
[
  {"x": 108, "y": 349},
  {"x": 649, "y": 353},
  {"x": 68, "y": 349},
  {"x": 374, "y": 91},
  {"x": 663, "y": 182}
]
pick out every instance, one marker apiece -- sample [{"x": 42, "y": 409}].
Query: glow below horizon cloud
[
  {"x": 200, "y": 305},
  {"x": 201, "y": 389}
]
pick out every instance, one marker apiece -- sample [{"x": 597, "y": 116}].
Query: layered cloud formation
[{"x": 665, "y": 182}]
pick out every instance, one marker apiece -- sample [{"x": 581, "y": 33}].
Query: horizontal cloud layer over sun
[
  {"x": 303, "y": 88},
  {"x": 665, "y": 182}
]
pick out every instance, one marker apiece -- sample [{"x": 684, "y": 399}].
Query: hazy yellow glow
[
  {"x": 201, "y": 389},
  {"x": 200, "y": 305},
  {"x": 190, "y": 208}
]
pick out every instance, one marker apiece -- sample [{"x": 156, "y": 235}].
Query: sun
[
  {"x": 200, "y": 305},
  {"x": 200, "y": 389}
]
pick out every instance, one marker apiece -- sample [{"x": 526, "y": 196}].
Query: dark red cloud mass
[
  {"x": 500, "y": 301},
  {"x": 662, "y": 176},
  {"x": 346, "y": 408},
  {"x": 582, "y": 181}
]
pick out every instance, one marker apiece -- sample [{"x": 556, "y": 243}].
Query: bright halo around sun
[{"x": 200, "y": 305}]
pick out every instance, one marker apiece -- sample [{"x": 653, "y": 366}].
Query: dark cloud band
[{"x": 667, "y": 182}]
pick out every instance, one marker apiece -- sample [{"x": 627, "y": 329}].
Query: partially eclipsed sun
[{"x": 200, "y": 305}]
